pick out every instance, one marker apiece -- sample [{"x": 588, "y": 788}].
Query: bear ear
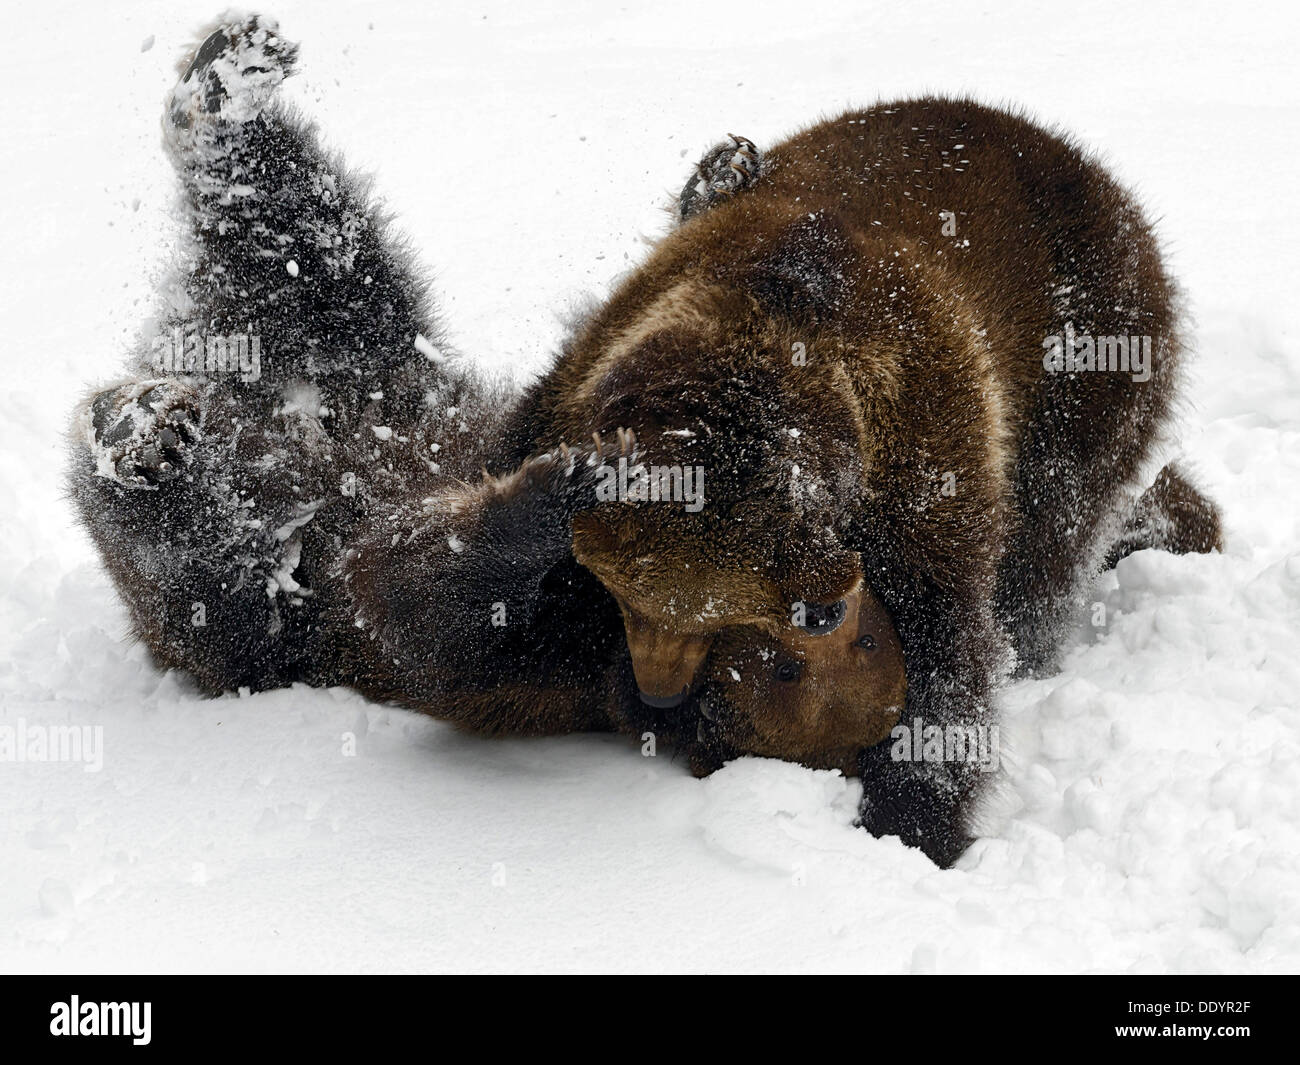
[{"x": 806, "y": 273}]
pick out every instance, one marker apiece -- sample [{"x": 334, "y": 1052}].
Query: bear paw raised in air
[
  {"x": 725, "y": 169},
  {"x": 139, "y": 433},
  {"x": 232, "y": 75}
]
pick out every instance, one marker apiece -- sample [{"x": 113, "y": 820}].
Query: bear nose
[{"x": 662, "y": 702}]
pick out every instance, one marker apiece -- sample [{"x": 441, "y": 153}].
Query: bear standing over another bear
[
  {"x": 850, "y": 337},
  {"x": 864, "y": 346}
]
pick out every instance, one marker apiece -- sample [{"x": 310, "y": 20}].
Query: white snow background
[{"x": 1150, "y": 816}]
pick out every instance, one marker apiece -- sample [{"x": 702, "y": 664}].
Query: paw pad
[
  {"x": 725, "y": 169},
  {"x": 233, "y": 73},
  {"x": 139, "y": 434}
]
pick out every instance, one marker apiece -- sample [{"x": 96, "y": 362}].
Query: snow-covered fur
[{"x": 294, "y": 378}]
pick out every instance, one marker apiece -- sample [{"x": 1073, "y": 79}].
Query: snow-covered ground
[{"x": 1150, "y": 816}]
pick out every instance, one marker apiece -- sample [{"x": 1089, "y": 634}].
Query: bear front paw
[
  {"x": 923, "y": 806},
  {"x": 139, "y": 434},
  {"x": 725, "y": 169}
]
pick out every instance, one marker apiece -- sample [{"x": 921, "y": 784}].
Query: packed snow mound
[{"x": 1148, "y": 814}]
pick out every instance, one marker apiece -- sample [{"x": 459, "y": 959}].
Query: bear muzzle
[{"x": 665, "y": 663}]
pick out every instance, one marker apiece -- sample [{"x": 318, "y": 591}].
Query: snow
[
  {"x": 426, "y": 348},
  {"x": 1148, "y": 818}
]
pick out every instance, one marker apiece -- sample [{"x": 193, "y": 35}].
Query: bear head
[{"x": 741, "y": 600}]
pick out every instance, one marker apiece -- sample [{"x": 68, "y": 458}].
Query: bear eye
[
  {"x": 789, "y": 671},
  {"x": 823, "y": 618},
  {"x": 866, "y": 641}
]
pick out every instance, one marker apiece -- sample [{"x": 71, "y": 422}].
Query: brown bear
[{"x": 924, "y": 351}]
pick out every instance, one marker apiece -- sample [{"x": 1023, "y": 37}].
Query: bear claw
[
  {"x": 233, "y": 74},
  {"x": 726, "y": 169}
]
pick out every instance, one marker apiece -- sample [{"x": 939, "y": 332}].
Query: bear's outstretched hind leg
[
  {"x": 287, "y": 243},
  {"x": 216, "y": 498},
  {"x": 726, "y": 168},
  {"x": 209, "y": 529}
]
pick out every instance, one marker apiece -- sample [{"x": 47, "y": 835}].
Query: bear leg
[
  {"x": 287, "y": 243},
  {"x": 202, "y": 538},
  {"x": 483, "y": 613},
  {"x": 215, "y": 497},
  {"x": 924, "y": 805}
]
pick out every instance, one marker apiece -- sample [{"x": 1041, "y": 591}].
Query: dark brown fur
[
  {"x": 1171, "y": 516},
  {"x": 936, "y": 456}
]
